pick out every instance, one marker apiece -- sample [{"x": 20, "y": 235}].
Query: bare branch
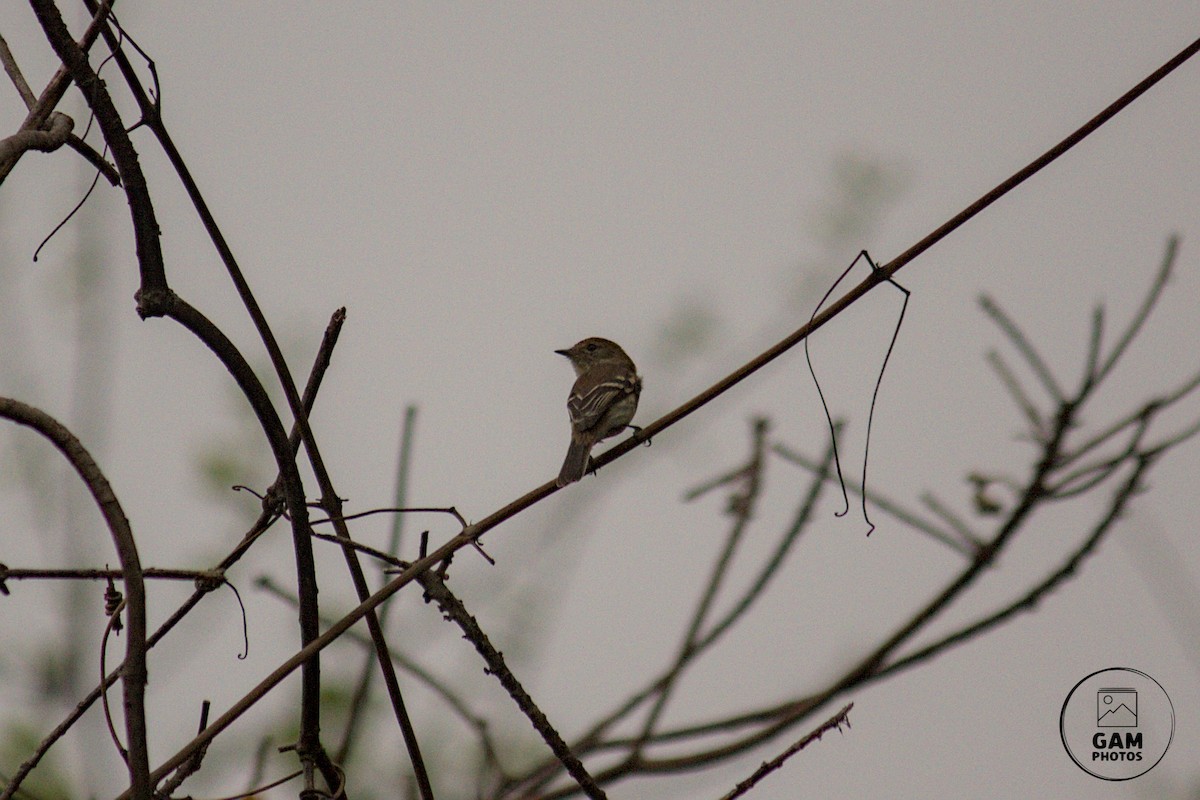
[
  {"x": 133, "y": 672},
  {"x": 741, "y": 506},
  {"x": 880, "y": 501},
  {"x": 457, "y": 704},
  {"x": 1024, "y": 347},
  {"x": 148, "y": 573},
  {"x": 834, "y": 722},
  {"x": 1139, "y": 317},
  {"x": 14, "y": 74},
  {"x": 1020, "y": 397},
  {"x": 1035, "y": 594},
  {"x": 268, "y": 516},
  {"x": 41, "y": 110},
  {"x": 358, "y": 701},
  {"x": 453, "y": 608}
]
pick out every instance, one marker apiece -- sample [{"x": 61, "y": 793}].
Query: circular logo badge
[{"x": 1117, "y": 723}]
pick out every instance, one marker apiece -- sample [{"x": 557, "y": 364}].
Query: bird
[{"x": 602, "y": 401}]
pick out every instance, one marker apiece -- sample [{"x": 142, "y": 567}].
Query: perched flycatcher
[{"x": 602, "y": 402}]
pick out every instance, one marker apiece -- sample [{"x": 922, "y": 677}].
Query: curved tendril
[{"x": 837, "y": 462}]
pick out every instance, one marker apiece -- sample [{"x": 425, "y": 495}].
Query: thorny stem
[{"x": 453, "y": 608}]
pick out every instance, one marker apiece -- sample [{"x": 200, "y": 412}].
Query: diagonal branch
[
  {"x": 886, "y": 271},
  {"x": 1030, "y": 599},
  {"x": 453, "y": 608},
  {"x": 834, "y": 722},
  {"x": 1140, "y": 316}
]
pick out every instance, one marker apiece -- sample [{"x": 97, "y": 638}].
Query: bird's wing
[{"x": 591, "y": 398}]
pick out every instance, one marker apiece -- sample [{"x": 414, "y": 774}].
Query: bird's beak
[{"x": 566, "y": 353}]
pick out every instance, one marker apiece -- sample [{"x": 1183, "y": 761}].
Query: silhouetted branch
[
  {"x": 358, "y": 700},
  {"x": 40, "y": 111},
  {"x": 834, "y": 722},
  {"x": 15, "y": 74},
  {"x": 741, "y": 506},
  {"x": 133, "y": 671},
  {"x": 148, "y": 573},
  {"x": 1140, "y": 316},
  {"x": 268, "y": 516},
  {"x": 454, "y": 701},
  {"x": 454, "y": 610},
  {"x": 633, "y": 761}
]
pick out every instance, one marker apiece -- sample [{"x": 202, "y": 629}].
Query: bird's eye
[{"x": 591, "y": 347}]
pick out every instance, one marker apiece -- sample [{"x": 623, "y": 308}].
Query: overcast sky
[{"x": 480, "y": 184}]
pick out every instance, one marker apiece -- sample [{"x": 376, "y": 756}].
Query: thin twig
[
  {"x": 50, "y": 97},
  {"x": 400, "y": 489},
  {"x": 193, "y": 764},
  {"x": 365, "y": 549},
  {"x": 456, "y": 703},
  {"x": 834, "y": 722},
  {"x": 149, "y": 573},
  {"x": 453, "y": 608},
  {"x": 95, "y": 159},
  {"x": 1122, "y": 423},
  {"x": 451, "y": 510},
  {"x": 741, "y": 505},
  {"x": 358, "y": 700},
  {"x": 1139, "y": 318},
  {"x": 879, "y": 500},
  {"x": 1021, "y": 342},
  {"x": 1009, "y": 381},
  {"x": 14, "y": 74},
  {"x": 953, "y": 520},
  {"x": 1091, "y": 364}
]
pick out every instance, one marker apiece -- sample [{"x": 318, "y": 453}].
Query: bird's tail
[{"x": 575, "y": 463}]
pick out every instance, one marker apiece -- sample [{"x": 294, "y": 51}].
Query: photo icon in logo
[
  {"x": 1116, "y": 708},
  {"x": 1125, "y": 732}
]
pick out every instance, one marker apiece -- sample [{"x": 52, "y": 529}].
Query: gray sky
[{"x": 481, "y": 184}]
